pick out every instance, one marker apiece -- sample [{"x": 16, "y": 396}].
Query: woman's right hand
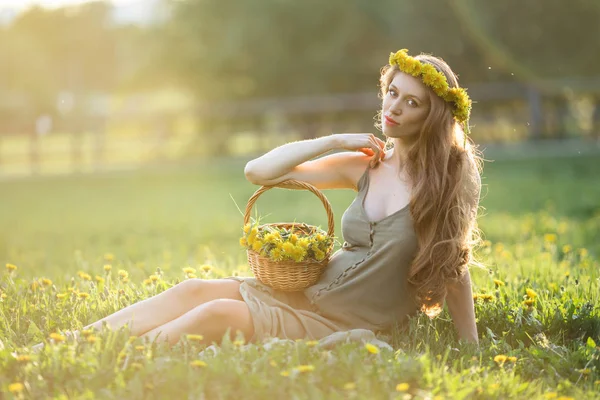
[{"x": 366, "y": 143}]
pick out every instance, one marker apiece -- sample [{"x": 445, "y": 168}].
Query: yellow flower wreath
[{"x": 437, "y": 82}]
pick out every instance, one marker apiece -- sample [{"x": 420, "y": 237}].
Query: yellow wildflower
[
  {"x": 107, "y": 267},
  {"x": 238, "y": 342},
  {"x": 371, "y": 348},
  {"x": 46, "y": 282},
  {"x": 206, "y": 268},
  {"x": 498, "y": 282},
  {"x": 512, "y": 359},
  {"x": 16, "y": 387},
  {"x": 99, "y": 279},
  {"x": 284, "y": 373},
  {"x": 550, "y": 395},
  {"x": 91, "y": 339},
  {"x": 23, "y": 358},
  {"x": 198, "y": 364},
  {"x": 140, "y": 347},
  {"x": 567, "y": 248},
  {"x": 243, "y": 242},
  {"x": 402, "y": 387},
  {"x": 531, "y": 293},
  {"x": 529, "y": 302},
  {"x": 153, "y": 278},
  {"x": 57, "y": 337},
  {"x": 565, "y": 398},
  {"x": 83, "y": 295},
  {"x": 550, "y": 237},
  {"x": 500, "y": 359},
  {"x": 61, "y": 295},
  {"x": 272, "y": 363},
  {"x": 304, "y": 368},
  {"x": 147, "y": 282},
  {"x": 194, "y": 338},
  {"x": 257, "y": 245},
  {"x": 189, "y": 270},
  {"x": 123, "y": 274},
  {"x": 312, "y": 343},
  {"x": 109, "y": 257},
  {"x": 192, "y": 276},
  {"x": 11, "y": 267},
  {"x": 247, "y": 228}
]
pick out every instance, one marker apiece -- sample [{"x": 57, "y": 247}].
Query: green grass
[{"x": 541, "y": 219}]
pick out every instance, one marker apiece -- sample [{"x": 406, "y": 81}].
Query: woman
[{"x": 408, "y": 234}]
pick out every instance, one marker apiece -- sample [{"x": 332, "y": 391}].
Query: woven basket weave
[{"x": 289, "y": 275}]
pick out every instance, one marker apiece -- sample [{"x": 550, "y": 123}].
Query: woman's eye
[
  {"x": 392, "y": 92},
  {"x": 414, "y": 103}
]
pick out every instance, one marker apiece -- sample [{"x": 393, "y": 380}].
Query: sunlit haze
[{"x": 20, "y": 4}]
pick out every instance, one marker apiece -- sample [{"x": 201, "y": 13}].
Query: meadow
[{"x": 76, "y": 248}]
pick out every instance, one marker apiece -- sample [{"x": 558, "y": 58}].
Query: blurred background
[
  {"x": 125, "y": 124},
  {"x": 101, "y": 85}
]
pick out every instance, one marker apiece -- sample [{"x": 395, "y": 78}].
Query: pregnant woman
[{"x": 408, "y": 234}]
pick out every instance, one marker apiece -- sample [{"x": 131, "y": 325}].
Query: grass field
[{"x": 537, "y": 304}]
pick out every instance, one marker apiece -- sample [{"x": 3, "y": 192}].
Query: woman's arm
[{"x": 460, "y": 304}]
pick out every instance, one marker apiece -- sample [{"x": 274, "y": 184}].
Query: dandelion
[
  {"x": 57, "y": 337},
  {"x": 11, "y": 267},
  {"x": 153, "y": 278},
  {"x": 109, "y": 257},
  {"x": 531, "y": 293},
  {"x": 87, "y": 332},
  {"x": 312, "y": 343},
  {"x": 123, "y": 274},
  {"x": 402, "y": 387},
  {"x": 551, "y": 395},
  {"x": 512, "y": 359},
  {"x": 284, "y": 373},
  {"x": 498, "y": 283},
  {"x": 84, "y": 276},
  {"x": 371, "y": 348},
  {"x": 350, "y": 386},
  {"x": 91, "y": 339},
  {"x": 529, "y": 302},
  {"x": 34, "y": 285},
  {"x": 243, "y": 242},
  {"x": 304, "y": 368},
  {"x": 567, "y": 248},
  {"x": 61, "y": 295},
  {"x": 189, "y": 270},
  {"x": 107, "y": 267},
  {"x": 198, "y": 364},
  {"x": 550, "y": 237},
  {"x": 500, "y": 359},
  {"x": 566, "y": 398},
  {"x": 206, "y": 268},
  {"x": 23, "y": 358},
  {"x": 99, "y": 279},
  {"x": 16, "y": 387},
  {"x": 46, "y": 282},
  {"x": 194, "y": 338},
  {"x": 582, "y": 253},
  {"x": 147, "y": 282},
  {"x": 83, "y": 295}
]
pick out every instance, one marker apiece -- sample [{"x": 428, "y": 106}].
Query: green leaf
[{"x": 591, "y": 343}]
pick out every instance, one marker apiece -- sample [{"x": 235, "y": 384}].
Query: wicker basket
[{"x": 289, "y": 275}]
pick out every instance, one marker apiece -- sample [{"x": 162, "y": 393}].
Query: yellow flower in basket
[{"x": 287, "y": 256}]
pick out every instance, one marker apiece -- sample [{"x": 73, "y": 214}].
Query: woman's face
[{"x": 405, "y": 106}]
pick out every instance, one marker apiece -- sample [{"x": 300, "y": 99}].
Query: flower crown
[{"x": 437, "y": 81}]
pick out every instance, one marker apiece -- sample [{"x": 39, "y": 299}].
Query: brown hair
[{"x": 445, "y": 170}]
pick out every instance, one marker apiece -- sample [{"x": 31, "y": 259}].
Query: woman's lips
[{"x": 390, "y": 121}]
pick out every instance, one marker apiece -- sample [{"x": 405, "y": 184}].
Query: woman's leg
[
  {"x": 155, "y": 311},
  {"x": 210, "y": 320}
]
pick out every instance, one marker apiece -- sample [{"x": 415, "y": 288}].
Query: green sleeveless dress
[{"x": 364, "y": 285}]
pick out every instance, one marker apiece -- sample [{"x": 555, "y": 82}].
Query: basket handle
[{"x": 298, "y": 184}]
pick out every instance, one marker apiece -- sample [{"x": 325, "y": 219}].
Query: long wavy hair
[{"x": 445, "y": 170}]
